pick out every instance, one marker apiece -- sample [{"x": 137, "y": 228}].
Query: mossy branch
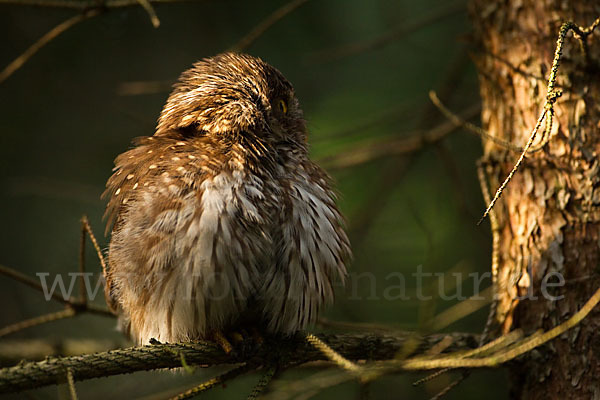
[{"x": 30, "y": 375}]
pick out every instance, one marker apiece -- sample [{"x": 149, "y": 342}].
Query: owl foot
[
  {"x": 235, "y": 342},
  {"x": 257, "y": 336},
  {"x": 237, "y": 337},
  {"x": 243, "y": 342},
  {"x": 222, "y": 341}
]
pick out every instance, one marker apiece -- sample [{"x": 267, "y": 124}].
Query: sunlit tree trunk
[{"x": 548, "y": 217}]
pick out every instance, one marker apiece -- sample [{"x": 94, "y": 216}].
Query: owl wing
[
  {"x": 187, "y": 239},
  {"x": 312, "y": 252},
  {"x": 135, "y": 179}
]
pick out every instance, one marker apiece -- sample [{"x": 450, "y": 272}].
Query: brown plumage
[{"x": 220, "y": 220}]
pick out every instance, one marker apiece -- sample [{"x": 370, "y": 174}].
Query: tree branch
[
  {"x": 86, "y": 4},
  {"x": 362, "y": 153},
  {"x": 44, "y": 40},
  {"x": 391, "y": 36},
  {"x": 14, "y": 350},
  {"x": 265, "y": 24},
  {"x": 294, "y": 351}
]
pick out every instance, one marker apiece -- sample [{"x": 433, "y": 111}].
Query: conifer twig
[
  {"x": 44, "y": 40},
  {"x": 71, "y": 383},
  {"x": 332, "y": 354},
  {"x": 262, "y": 384},
  {"x": 265, "y": 24},
  {"x": 211, "y": 383}
]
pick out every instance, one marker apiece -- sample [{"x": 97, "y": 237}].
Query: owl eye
[{"x": 282, "y": 106}]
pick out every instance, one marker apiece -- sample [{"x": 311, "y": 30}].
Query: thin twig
[
  {"x": 150, "y": 87},
  {"x": 82, "y": 288},
  {"x": 503, "y": 356},
  {"x": 303, "y": 389},
  {"x": 393, "y": 172},
  {"x": 89, "y": 9},
  {"x": 501, "y": 342},
  {"x": 552, "y": 96},
  {"x": 86, "y": 225},
  {"x": 332, "y": 354},
  {"x": 151, "y": 12},
  {"x": 20, "y": 277},
  {"x": 471, "y": 127},
  {"x": 499, "y": 351},
  {"x": 44, "y": 40},
  {"x": 262, "y": 384},
  {"x": 42, "y": 319},
  {"x": 73, "y": 306},
  {"x": 86, "y": 4},
  {"x": 440, "y": 347},
  {"x": 430, "y": 377},
  {"x": 357, "y": 128},
  {"x": 374, "y": 370},
  {"x": 391, "y": 36},
  {"x": 459, "y": 311},
  {"x": 515, "y": 167},
  {"x": 217, "y": 380},
  {"x": 15, "y": 350},
  {"x": 451, "y": 386},
  {"x": 71, "y": 383},
  {"x": 96, "y": 310},
  {"x": 495, "y": 228},
  {"x": 265, "y": 24},
  {"x": 362, "y": 153}
]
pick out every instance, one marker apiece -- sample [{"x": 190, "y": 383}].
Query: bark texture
[
  {"x": 548, "y": 217},
  {"x": 30, "y": 375}
]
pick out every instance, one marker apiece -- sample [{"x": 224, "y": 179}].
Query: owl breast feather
[{"x": 190, "y": 256}]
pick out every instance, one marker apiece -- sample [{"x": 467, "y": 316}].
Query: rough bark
[
  {"x": 548, "y": 217},
  {"x": 286, "y": 352}
]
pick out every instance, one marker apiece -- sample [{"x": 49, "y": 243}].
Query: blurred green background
[{"x": 69, "y": 111}]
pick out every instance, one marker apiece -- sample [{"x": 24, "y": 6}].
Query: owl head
[{"x": 233, "y": 95}]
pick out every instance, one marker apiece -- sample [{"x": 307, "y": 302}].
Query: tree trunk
[{"x": 548, "y": 217}]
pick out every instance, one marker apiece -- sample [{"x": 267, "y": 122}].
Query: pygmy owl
[{"x": 220, "y": 219}]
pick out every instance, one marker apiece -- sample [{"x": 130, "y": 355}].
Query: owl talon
[
  {"x": 257, "y": 336},
  {"x": 237, "y": 337},
  {"x": 222, "y": 341}
]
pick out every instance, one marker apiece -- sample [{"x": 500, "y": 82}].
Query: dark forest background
[{"x": 362, "y": 71}]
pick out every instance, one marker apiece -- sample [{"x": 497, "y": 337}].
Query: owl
[{"x": 220, "y": 220}]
